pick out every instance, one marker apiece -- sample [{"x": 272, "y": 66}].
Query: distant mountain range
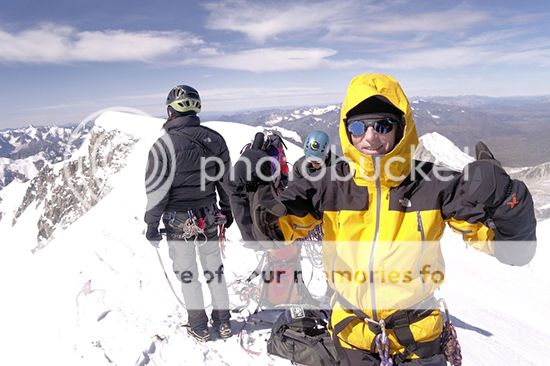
[
  {"x": 24, "y": 151},
  {"x": 517, "y": 129}
]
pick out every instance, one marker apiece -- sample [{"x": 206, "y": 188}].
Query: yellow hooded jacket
[{"x": 381, "y": 228}]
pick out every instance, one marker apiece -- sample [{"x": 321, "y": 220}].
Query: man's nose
[{"x": 370, "y": 133}]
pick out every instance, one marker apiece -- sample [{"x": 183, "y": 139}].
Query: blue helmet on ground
[{"x": 317, "y": 146}]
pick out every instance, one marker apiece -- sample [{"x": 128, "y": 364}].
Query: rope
[
  {"x": 168, "y": 280},
  {"x": 241, "y": 334},
  {"x": 247, "y": 293},
  {"x": 314, "y": 253},
  {"x": 313, "y": 245},
  {"x": 382, "y": 343},
  {"x": 449, "y": 339},
  {"x": 190, "y": 228},
  {"x": 383, "y": 348}
]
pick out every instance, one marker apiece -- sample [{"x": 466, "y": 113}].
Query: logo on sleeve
[{"x": 513, "y": 202}]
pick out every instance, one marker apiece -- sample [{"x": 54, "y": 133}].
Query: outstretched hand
[
  {"x": 253, "y": 167},
  {"x": 484, "y": 181}
]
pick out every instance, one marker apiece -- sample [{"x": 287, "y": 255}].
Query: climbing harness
[{"x": 185, "y": 228}]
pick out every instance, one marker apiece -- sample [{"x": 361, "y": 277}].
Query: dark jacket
[
  {"x": 302, "y": 168},
  {"x": 173, "y": 174}
]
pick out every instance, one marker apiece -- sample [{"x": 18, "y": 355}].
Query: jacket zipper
[
  {"x": 420, "y": 228},
  {"x": 375, "y": 239},
  {"x": 335, "y": 254}
]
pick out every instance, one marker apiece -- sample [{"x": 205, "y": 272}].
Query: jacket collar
[{"x": 182, "y": 122}]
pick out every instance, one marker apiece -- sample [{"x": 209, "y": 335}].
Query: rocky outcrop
[{"x": 66, "y": 191}]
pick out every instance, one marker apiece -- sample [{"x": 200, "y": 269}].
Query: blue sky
[{"x": 61, "y": 61}]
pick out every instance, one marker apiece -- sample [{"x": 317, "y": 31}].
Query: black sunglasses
[{"x": 382, "y": 126}]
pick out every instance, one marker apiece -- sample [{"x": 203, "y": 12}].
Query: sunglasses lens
[
  {"x": 357, "y": 128},
  {"x": 382, "y": 126}
]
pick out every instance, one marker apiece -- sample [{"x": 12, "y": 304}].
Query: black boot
[
  {"x": 223, "y": 328},
  {"x": 200, "y": 334}
]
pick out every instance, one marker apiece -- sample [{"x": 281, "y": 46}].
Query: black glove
[
  {"x": 153, "y": 234},
  {"x": 484, "y": 182},
  {"x": 266, "y": 210},
  {"x": 246, "y": 168},
  {"x": 228, "y": 218}
]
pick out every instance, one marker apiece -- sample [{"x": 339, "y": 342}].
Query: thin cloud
[
  {"x": 433, "y": 58},
  {"x": 260, "y": 22},
  {"x": 52, "y": 43},
  {"x": 268, "y": 59},
  {"x": 448, "y": 58},
  {"x": 230, "y": 99},
  {"x": 346, "y": 21},
  {"x": 493, "y": 37},
  {"x": 440, "y": 21}
]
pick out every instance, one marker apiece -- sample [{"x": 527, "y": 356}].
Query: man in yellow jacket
[{"x": 382, "y": 215}]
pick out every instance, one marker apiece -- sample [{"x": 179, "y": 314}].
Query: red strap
[{"x": 222, "y": 240}]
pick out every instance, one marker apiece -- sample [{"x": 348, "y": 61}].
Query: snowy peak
[
  {"x": 62, "y": 193},
  {"x": 537, "y": 179},
  {"x": 130, "y": 122},
  {"x": 24, "y": 142},
  {"x": 314, "y": 112},
  {"x": 438, "y": 149},
  {"x": 24, "y": 151}
]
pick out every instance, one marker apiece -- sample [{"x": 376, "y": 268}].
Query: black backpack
[{"x": 301, "y": 336}]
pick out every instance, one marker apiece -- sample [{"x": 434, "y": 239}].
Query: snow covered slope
[
  {"x": 438, "y": 149},
  {"x": 97, "y": 295}
]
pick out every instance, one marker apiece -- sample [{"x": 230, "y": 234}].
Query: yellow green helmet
[{"x": 183, "y": 98}]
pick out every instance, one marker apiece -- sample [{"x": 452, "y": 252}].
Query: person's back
[
  {"x": 181, "y": 180},
  {"x": 189, "y": 188}
]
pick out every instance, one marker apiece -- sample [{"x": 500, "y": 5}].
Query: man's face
[
  {"x": 316, "y": 164},
  {"x": 374, "y": 143},
  {"x": 373, "y": 136}
]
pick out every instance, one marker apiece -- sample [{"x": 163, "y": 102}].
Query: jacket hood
[{"x": 394, "y": 166}]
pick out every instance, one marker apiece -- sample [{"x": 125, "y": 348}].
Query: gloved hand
[
  {"x": 484, "y": 182},
  {"x": 266, "y": 211},
  {"x": 153, "y": 234},
  {"x": 228, "y": 217},
  {"x": 251, "y": 162}
]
